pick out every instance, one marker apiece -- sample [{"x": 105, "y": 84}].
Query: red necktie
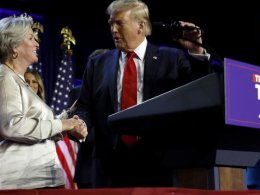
[{"x": 129, "y": 93}]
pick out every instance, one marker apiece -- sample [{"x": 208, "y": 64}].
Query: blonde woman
[{"x": 34, "y": 80}]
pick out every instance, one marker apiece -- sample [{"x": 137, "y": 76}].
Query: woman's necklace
[{"x": 10, "y": 67}]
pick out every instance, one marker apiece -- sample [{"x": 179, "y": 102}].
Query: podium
[
  {"x": 173, "y": 108},
  {"x": 189, "y": 122}
]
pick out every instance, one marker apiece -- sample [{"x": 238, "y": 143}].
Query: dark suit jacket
[
  {"x": 165, "y": 68},
  {"x": 74, "y": 95}
]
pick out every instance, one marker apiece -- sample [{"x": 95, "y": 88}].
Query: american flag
[
  {"x": 66, "y": 149},
  {"x": 37, "y": 66}
]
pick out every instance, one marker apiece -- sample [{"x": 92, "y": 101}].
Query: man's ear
[{"x": 141, "y": 27}]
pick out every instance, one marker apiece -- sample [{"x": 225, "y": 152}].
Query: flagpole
[{"x": 66, "y": 148}]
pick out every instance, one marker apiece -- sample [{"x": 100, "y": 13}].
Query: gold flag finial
[
  {"x": 68, "y": 39},
  {"x": 37, "y": 27}
]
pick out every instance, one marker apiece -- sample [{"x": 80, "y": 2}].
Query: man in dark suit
[
  {"x": 106, "y": 161},
  {"x": 75, "y": 91}
]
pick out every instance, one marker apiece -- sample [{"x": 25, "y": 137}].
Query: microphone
[{"x": 174, "y": 28}]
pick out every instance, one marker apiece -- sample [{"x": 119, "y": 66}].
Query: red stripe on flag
[
  {"x": 65, "y": 168},
  {"x": 70, "y": 149}
]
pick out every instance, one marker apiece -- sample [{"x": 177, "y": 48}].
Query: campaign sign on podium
[{"x": 242, "y": 94}]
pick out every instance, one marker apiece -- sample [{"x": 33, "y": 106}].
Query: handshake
[{"x": 75, "y": 127}]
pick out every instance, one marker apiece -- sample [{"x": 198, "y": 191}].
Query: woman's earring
[{"x": 15, "y": 55}]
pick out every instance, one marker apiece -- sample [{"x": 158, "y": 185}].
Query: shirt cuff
[{"x": 202, "y": 57}]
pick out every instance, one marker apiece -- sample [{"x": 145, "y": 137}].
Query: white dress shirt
[{"x": 139, "y": 62}]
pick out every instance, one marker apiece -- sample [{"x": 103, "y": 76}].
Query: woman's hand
[{"x": 76, "y": 127}]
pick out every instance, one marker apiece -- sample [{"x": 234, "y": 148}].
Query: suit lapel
[
  {"x": 150, "y": 68},
  {"x": 113, "y": 69}
]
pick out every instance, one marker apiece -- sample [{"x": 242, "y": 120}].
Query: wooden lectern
[{"x": 207, "y": 153}]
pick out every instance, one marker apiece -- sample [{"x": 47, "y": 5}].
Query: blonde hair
[
  {"x": 41, "y": 92},
  {"x": 139, "y": 11}
]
